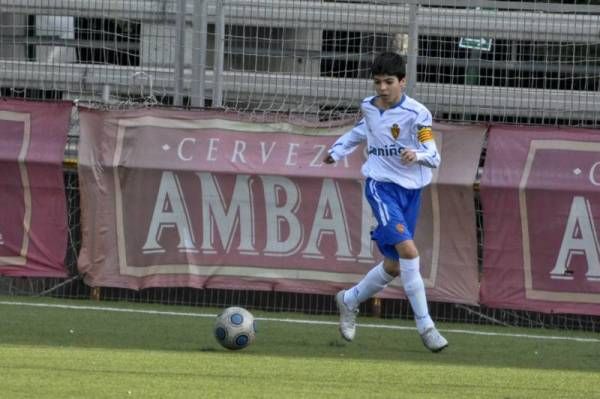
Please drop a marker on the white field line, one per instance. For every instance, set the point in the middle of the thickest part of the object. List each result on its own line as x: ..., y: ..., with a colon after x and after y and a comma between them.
x: 298, y: 321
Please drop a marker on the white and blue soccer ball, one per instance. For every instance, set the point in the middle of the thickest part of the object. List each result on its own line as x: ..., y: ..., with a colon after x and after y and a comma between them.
x: 235, y: 328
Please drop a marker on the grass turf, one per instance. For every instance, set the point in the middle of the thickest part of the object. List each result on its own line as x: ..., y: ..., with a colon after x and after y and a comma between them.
x: 67, y: 353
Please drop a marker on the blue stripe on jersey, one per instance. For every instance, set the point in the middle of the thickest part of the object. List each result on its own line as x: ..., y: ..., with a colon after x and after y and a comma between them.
x: 410, y: 110
x: 399, y: 103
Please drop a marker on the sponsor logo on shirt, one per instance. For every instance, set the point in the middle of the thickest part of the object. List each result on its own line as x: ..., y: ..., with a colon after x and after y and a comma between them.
x: 386, y: 151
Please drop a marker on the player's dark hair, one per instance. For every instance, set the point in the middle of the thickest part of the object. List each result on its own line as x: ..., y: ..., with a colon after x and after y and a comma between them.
x: 389, y: 63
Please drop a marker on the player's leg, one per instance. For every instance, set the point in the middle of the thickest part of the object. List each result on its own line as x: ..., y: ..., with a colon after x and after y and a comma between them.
x: 349, y: 300
x: 380, y: 275
x: 410, y: 274
x: 374, y: 281
x: 413, y: 284
x: 414, y: 288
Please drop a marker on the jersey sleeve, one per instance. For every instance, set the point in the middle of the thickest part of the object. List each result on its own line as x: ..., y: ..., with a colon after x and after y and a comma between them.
x: 348, y: 142
x: 427, y: 152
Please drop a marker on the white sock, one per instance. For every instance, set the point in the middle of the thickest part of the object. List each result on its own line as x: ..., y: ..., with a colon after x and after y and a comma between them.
x: 414, y: 288
x: 373, y: 282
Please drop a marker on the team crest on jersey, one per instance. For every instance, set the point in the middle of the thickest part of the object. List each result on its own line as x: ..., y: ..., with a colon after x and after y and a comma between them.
x: 395, y: 131
x: 400, y: 228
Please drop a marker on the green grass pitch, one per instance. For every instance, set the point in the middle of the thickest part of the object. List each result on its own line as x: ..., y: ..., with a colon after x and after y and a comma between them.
x: 62, y: 352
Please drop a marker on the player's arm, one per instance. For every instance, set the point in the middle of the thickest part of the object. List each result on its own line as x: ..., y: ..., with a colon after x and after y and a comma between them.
x: 427, y: 153
x: 347, y: 143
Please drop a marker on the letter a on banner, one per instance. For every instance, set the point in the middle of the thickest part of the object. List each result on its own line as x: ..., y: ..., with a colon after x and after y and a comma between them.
x: 579, y: 239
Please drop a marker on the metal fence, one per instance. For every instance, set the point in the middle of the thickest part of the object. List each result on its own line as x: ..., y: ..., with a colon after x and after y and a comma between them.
x: 504, y: 61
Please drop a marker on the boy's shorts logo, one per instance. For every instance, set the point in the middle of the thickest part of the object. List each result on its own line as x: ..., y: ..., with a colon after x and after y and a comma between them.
x: 395, y: 131
x: 400, y: 228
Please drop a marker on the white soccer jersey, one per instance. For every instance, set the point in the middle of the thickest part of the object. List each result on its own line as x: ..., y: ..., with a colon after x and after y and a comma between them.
x: 405, y: 125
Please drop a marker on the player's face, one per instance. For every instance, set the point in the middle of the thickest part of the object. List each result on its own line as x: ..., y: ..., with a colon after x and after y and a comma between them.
x: 389, y: 89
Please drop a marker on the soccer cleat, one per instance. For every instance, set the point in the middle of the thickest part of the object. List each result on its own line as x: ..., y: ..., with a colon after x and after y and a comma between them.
x: 347, y: 317
x: 433, y: 340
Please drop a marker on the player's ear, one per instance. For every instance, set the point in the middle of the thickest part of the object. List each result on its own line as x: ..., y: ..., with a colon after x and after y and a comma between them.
x: 403, y: 82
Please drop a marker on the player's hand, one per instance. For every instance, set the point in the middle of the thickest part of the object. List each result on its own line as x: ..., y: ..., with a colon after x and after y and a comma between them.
x: 408, y: 156
x: 328, y: 160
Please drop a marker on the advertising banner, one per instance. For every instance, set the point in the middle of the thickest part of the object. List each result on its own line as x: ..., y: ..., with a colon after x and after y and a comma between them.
x: 33, y: 216
x: 541, y: 200
x: 218, y: 200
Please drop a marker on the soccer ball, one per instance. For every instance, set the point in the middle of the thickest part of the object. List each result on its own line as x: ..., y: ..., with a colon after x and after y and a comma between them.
x: 235, y: 328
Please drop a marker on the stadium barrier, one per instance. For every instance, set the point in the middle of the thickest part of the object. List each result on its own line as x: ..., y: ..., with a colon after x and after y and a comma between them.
x: 215, y: 200
x: 196, y: 204
x: 33, y: 231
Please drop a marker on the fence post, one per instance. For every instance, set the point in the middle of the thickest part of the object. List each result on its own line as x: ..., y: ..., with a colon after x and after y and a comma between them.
x: 95, y: 293
x: 376, y: 307
x: 200, y: 32
x: 217, y: 96
x: 413, y: 49
x: 179, y: 62
x: 106, y: 94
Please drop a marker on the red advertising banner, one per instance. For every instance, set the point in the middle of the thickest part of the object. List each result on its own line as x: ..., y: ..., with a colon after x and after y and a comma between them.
x: 33, y: 217
x: 541, y: 199
x: 217, y: 200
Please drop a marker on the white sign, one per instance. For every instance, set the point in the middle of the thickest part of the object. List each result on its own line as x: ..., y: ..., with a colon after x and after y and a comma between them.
x: 475, y: 43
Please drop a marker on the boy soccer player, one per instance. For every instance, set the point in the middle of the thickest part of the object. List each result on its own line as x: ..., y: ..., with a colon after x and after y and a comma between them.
x: 401, y: 153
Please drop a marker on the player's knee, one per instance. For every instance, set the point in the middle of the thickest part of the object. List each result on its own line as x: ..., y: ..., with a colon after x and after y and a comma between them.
x: 391, y: 267
x: 407, y: 249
